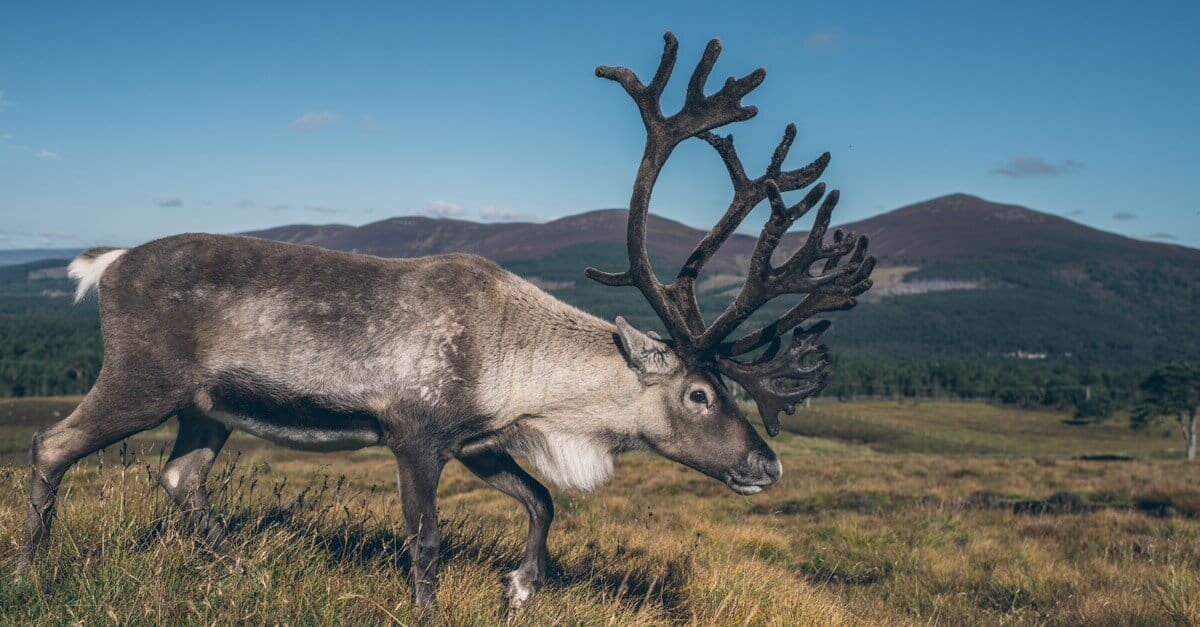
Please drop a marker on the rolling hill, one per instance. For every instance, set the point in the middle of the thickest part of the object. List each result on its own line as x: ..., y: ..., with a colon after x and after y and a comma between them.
x: 957, y: 227
x: 961, y: 227
x: 960, y: 278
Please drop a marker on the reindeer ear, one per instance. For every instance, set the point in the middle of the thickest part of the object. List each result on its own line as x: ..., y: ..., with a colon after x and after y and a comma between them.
x: 646, y: 352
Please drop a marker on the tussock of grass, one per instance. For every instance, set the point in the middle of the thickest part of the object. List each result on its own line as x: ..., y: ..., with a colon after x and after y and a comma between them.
x: 853, y: 534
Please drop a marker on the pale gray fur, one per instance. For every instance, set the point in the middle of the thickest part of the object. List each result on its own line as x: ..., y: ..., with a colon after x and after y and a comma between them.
x: 436, y: 358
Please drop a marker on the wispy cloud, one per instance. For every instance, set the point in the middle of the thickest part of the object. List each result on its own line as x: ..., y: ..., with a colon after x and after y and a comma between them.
x: 42, y: 238
x: 168, y: 201
x: 499, y: 214
x: 47, y: 154
x: 823, y: 40
x: 314, y: 120
x: 1124, y: 216
x: 4, y: 103
x: 370, y: 125
x: 1163, y: 236
x: 246, y: 204
x: 280, y: 207
x: 443, y: 209
x: 327, y: 210
x: 1074, y: 212
x: 1025, y: 167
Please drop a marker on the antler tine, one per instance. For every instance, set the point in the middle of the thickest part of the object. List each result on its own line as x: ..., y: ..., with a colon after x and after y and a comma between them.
x: 695, y: 88
x: 778, y: 381
x: 700, y: 114
x: 781, y: 151
x: 762, y: 280
x: 747, y: 195
x: 834, y: 288
x: 645, y: 95
x: 838, y: 295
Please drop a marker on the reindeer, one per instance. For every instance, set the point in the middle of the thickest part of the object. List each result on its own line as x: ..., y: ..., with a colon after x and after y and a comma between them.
x: 451, y: 357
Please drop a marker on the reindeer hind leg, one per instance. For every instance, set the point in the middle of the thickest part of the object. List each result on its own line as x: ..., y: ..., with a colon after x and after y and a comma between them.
x: 108, y: 414
x: 199, y: 442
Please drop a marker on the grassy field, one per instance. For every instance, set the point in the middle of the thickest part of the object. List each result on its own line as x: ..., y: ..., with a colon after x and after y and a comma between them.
x: 887, y: 513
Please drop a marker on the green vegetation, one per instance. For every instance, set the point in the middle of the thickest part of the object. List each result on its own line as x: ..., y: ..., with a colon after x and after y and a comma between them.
x: 1171, y: 390
x: 47, y: 345
x: 929, y: 512
x: 954, y: 344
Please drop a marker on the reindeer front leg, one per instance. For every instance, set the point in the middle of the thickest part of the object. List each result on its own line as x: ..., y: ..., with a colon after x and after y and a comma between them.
x: 500, y: 471
x: 418, y: 470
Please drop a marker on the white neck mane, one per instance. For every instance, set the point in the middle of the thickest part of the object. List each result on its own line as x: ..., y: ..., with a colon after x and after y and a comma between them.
x: 569, y: 461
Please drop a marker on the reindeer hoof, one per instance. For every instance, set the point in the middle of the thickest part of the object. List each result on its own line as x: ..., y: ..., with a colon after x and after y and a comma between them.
x: 227, y: 562
x: 521, y: 587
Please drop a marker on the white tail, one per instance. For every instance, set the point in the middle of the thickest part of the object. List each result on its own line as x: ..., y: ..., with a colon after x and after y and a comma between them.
x: 87, y: 270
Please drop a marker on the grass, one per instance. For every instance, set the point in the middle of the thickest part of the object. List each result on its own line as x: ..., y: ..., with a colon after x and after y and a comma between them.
x: 940, y: 513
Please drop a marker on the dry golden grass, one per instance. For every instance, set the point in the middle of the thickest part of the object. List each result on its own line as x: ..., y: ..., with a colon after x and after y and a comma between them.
x: 914, y: 520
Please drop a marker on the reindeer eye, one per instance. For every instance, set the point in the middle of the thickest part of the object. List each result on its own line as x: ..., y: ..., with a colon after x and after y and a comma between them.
x: 698, y: 396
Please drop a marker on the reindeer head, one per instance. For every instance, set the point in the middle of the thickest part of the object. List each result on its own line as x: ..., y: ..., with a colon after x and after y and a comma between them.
x: 703, y: 427
x: 690, y: 417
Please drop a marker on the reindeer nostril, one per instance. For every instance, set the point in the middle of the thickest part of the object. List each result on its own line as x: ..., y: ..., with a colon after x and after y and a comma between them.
x: 773, y: 468
x: 766, y: 466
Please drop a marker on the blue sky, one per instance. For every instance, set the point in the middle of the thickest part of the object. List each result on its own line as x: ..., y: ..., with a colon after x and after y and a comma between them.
x: 124, y: 122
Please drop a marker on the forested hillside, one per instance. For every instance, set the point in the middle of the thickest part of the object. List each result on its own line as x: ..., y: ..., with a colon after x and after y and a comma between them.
x: 972, y: 298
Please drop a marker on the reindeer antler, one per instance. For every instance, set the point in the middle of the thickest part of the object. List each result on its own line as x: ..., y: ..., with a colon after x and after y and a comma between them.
x: 777, y: 381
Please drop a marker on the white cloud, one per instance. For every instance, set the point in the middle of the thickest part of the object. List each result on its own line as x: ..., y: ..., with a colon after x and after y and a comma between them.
x: 314, y: 120
x: 47, y: 154
x: 823, y: 40
x: 3, y: 102
x: 370, y: 125
x: 319, y: 209
x: 443, y: 209
x: 1026, y: 166
x: 168, y: 201
x: 492, y: 213
x: 5, y: 137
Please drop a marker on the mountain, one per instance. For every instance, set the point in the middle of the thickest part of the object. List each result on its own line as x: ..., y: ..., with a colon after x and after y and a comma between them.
x: 16, y: 256
x: 960, y: 278
x: 412, y: 236
x: 961, y: 227
x: 957, y: 227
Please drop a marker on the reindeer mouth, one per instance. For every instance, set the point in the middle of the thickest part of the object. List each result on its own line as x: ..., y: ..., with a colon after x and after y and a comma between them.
x: 746, y: 488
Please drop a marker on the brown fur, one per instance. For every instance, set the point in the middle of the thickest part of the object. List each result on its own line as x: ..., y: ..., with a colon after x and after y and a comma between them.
x: 436, y: 358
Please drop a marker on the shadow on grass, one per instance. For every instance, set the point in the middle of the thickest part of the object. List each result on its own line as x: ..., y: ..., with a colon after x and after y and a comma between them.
x: 1159, y: 504
x: 628, y: 576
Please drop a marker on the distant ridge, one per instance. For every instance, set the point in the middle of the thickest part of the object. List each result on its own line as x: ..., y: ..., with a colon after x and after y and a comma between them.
x: 955, y: 227
x: 961, y: 226
x: 27, y: 255
x: 960, y: 278
x: 947, y: 228
x: 412, y: 236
